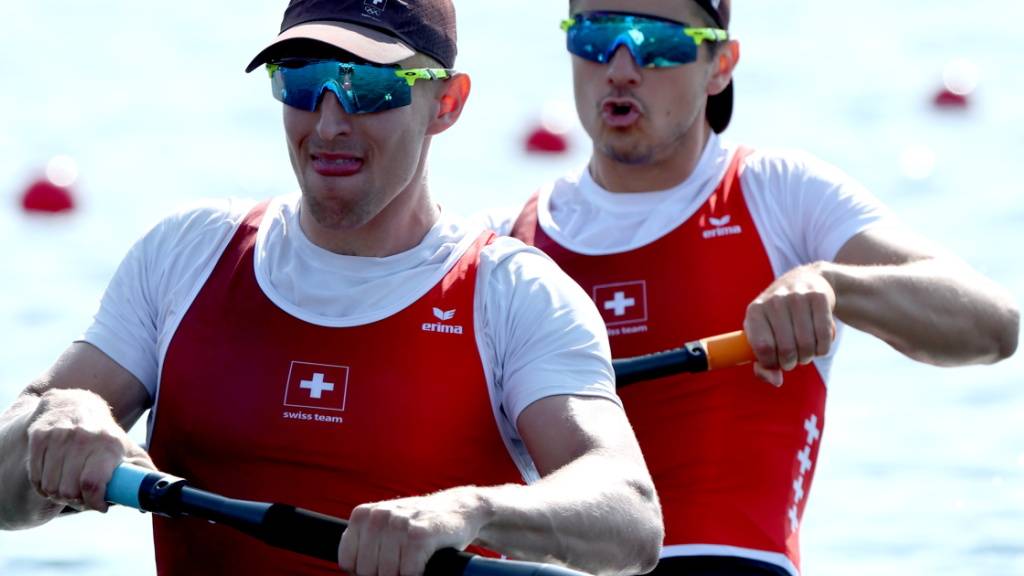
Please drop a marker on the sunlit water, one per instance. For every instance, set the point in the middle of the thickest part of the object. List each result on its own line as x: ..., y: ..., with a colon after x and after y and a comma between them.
x: 921, y: 470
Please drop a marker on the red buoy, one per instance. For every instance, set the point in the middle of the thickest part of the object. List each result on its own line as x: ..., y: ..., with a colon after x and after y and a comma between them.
x: 52, y: 194
x: 946, y: 98
x: 544, y: 141
x: 47, y: 197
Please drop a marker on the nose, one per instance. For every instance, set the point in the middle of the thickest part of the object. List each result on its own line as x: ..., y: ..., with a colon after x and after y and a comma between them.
x: 623, y: 69
x: 333, y: 120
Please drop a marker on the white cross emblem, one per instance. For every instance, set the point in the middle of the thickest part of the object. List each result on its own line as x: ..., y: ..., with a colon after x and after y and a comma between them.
x: 798, y: 487
x: 804, y: 456
x: 620, y: 303
x: 793, y: 520
x: 813, y: 432
x: 317, y: 386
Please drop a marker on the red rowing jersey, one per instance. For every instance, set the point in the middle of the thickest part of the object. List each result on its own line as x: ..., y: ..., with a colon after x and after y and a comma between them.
x: 260, y: 405
x: 731, y: 456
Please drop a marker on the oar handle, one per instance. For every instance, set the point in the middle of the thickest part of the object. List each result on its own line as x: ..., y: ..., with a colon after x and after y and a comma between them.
x: 712, y: 353
x: 728, y: 350
x: 295, y: 529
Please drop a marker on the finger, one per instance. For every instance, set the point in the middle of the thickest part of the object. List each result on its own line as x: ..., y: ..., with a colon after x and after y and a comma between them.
x: 773, y: 377
x: 824, y: 325
x: 348, y: 549
x: 371, y: 540
x: 779, y: 317
x: 803, y: 329
x: 97, y: 471
x: 70, y: 487
x: 391, y: 545
x: 420, y: 545
x: 53, y: 466
x: 759, y: 334
x: 36, y: 461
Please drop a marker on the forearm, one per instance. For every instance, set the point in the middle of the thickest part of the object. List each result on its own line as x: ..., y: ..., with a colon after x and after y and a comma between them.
x: 587, y: 515
x: 932, y: 310
x: 20, y: 505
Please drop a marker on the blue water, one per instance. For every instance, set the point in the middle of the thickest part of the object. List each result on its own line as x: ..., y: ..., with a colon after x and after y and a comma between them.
x: 921, y: 470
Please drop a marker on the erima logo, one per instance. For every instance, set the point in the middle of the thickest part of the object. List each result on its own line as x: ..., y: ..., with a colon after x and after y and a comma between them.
x: 721, y: 227
x: 374, y: 8
x: 442, y: 316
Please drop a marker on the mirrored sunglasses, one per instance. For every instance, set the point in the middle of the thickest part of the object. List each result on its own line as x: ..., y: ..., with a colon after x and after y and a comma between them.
x: 653, y: 42
x: 360, y: 88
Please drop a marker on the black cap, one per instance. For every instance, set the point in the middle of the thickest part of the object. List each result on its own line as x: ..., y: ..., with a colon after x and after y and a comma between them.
x: 719, y: 109
x: 381, y: 31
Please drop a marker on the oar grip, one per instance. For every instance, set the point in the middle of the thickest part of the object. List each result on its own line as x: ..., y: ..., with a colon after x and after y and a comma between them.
x: 303, y: 531
x: 124, y: 485
x: 728, y: 350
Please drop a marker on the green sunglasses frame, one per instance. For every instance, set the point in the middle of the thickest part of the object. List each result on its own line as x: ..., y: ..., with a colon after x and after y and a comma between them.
x: 410, y: 75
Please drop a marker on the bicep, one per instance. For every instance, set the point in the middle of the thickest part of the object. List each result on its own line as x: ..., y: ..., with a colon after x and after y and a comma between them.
x: 560, y: 429
x: 83, y: 366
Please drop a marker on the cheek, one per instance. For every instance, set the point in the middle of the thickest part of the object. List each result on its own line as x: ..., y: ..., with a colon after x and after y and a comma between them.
x: 297, y: 124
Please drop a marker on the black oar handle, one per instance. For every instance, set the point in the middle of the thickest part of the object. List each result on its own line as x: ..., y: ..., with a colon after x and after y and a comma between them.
x: 651, y: 366
x: 722, y: 351
x: 295, y: 529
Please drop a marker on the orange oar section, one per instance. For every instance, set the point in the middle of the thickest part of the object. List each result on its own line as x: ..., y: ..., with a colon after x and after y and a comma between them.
x: 726, y: 350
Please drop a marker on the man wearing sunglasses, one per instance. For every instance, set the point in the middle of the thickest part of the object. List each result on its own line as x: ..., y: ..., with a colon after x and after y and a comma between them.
x: 351, y: 349
x: 677, y: 235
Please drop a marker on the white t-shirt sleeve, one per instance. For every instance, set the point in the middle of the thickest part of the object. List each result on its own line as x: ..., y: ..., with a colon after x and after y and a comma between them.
x: 500, y: 220
x: 542, y: 334
x: 156, y: 282
x: 806, y: 209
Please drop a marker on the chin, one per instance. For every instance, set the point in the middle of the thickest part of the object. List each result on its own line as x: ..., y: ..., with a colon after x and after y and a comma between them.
x: 630, y: 154
x: 337, y: 212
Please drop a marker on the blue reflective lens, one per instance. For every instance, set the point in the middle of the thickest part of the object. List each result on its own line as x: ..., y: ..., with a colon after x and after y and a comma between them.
x: 654, y: 43
x: 360, y: 88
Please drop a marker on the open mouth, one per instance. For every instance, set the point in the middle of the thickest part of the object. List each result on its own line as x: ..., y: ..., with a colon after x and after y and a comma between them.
x: 328, y: 164
x: 620, y: 112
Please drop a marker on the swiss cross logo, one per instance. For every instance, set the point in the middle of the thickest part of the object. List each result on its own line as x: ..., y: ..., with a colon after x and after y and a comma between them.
x: 622, y: 303
x: 317, y: 386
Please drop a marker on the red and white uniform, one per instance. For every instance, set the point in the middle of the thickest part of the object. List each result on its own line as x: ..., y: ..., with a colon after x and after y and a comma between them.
x: 732, y: 457
x: 286, y: 375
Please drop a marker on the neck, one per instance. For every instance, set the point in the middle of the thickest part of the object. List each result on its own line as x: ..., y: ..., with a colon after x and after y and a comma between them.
x: 660, y: 173
x: 400, y: 226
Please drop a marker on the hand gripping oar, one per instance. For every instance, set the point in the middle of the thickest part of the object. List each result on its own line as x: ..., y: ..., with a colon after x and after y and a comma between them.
x: 722, y: 351
x: 284, y: 526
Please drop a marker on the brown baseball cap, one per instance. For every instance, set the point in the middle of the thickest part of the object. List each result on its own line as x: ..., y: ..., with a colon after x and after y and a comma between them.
x: 381, y: 31
x: 719, y: 110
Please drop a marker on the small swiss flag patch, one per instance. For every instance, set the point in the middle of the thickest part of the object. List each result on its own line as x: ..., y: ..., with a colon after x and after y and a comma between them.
x: 622, y: 303
x: 317, y: 386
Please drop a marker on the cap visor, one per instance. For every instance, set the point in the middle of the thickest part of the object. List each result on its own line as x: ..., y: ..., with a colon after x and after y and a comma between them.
x: 364, y: 42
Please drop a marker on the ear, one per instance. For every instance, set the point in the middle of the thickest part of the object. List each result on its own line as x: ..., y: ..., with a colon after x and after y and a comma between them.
x: 726, y: 59
x: 451, y: 101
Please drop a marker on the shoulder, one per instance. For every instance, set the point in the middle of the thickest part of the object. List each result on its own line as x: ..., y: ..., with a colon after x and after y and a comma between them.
x: 790, y: 166
x: 508, y: 260
x: 203, y: 218
x: 190, y: 237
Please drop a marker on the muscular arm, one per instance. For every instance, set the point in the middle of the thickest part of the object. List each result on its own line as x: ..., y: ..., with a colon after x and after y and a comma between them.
x: 595, y: 509
x: 934, y: 309
x: 63, y: 436
x: 931, y: 307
